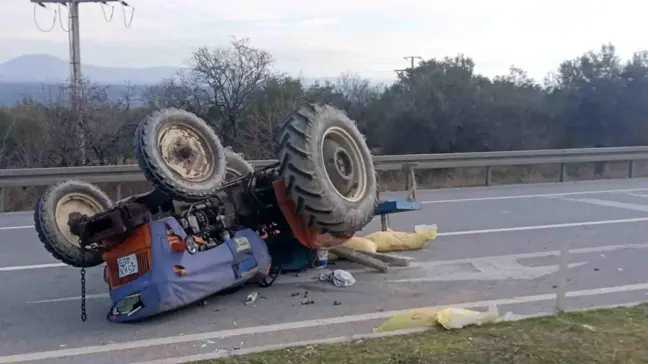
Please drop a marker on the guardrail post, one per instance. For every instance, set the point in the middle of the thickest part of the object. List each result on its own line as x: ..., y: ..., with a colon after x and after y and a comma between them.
x: 118, y: 193
x: 562, y: 277
x: 631, y: 168
x: 489, y: 176
x: 563, y: 172
x: 2, y: 195
x: 410, y: 181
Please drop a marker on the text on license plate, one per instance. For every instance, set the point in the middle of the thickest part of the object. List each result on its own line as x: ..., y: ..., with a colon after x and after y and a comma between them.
x: 127, y: 265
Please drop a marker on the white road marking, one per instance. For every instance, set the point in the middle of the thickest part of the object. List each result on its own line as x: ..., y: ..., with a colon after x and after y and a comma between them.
x: 491, y: 271
x: 637, y: 195
x: 77, y: 298
x: 425, y: 265
x: 171, y: 340
x: 338, y: 340
x: 510, y: 197
x: 542, y: 254
x: 540, y: 227
x: 559, y: 194
x: 451, y: 233
x: 259, y: 349
x: 16, y: 227
x: 608, y: 203
x: 34, y: 266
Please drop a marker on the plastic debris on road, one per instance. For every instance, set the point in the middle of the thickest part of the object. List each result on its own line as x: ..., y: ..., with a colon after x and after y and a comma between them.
x: 361, y: 244
x: 390, y: 240
x: 339, y: 277
x: 457, y: 318
x: 251, y: 298
x: 449, y: 318
x: 424, y: 317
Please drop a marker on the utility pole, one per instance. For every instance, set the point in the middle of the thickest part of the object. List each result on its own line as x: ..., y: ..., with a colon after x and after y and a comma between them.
x: 412, y: 58
x: 411, y: 69
x: 75, y: 59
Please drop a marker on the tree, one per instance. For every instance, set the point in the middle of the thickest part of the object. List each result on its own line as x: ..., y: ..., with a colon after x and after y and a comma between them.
x: 442, y: 105
x: 230, y: 75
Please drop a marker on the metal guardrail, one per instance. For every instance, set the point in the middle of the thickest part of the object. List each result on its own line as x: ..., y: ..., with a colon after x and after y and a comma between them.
x: 408, y: 162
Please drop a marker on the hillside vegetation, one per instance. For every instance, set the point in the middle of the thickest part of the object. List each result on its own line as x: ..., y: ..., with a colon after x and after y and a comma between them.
x: 440, y: 106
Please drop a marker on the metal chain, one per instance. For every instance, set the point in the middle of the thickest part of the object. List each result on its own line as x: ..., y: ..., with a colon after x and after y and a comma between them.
x: 83, y: 284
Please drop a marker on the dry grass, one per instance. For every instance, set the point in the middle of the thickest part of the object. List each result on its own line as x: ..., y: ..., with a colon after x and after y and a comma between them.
x: 605, y: 336
x: 22, y: 198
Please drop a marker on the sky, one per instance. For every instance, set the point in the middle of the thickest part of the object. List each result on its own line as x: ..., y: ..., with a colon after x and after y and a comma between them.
x: 323, y: 38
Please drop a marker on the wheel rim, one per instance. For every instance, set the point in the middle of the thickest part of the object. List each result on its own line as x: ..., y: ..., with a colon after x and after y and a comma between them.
x: 186, y: 153
x: 74, y: 203
x: 345, y: 168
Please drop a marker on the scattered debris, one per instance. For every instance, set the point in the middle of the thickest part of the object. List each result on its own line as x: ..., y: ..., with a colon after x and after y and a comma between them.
x: 336, y: 303
x: 588, y: 327
x: 449, y: 318
x: 322, y: 258
x: 339, y: 277
x: 457, y: 318
x: 295, y: 294
x: 307, y: 302
x: 251, y: 298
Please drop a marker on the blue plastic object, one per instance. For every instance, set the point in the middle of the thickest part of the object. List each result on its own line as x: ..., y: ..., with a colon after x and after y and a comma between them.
x: 233, y: 263
x: 392, y: 207
x: 396, y: 206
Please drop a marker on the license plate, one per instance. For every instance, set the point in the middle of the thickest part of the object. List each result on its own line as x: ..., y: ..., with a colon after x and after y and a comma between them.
x: 127, y: 265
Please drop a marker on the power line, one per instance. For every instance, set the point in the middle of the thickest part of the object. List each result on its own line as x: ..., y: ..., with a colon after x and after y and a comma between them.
x: 73, y: 31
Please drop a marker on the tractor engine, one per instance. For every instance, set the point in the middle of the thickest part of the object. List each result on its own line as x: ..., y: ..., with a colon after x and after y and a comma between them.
x: 211, y: 221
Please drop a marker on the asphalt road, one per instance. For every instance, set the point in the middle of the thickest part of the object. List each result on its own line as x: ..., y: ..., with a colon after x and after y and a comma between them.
x: 497, y: 246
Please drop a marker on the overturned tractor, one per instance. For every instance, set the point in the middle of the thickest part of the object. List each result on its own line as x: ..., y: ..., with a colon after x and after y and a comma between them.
x: 212, y: 222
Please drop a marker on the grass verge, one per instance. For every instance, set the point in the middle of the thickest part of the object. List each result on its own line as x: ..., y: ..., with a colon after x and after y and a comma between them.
x: 617, y: 335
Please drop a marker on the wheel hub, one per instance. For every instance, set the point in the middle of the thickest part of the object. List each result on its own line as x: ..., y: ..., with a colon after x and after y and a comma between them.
x: 70, y: 207
x: 345, y: 167
x: 186, y: 153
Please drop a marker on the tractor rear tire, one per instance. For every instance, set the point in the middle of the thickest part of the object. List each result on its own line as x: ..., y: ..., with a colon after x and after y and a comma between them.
x: 51, y: 217
x: 328, y: 170
x: 180, y: 154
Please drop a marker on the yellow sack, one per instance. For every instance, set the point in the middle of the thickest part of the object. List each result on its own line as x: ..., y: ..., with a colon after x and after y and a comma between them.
x: 424, y: 317
x: 457, y: 318
x: 390, y: 240
x: 361, y: 244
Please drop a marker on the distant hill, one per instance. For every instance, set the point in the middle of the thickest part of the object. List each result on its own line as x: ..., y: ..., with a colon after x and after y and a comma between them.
x: 14, y: 92
x: 37, y: 75
x: 39, y: 68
